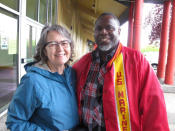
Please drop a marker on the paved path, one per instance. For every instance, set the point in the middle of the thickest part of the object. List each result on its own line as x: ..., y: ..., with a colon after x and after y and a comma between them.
x: 170, y: 106
x: 169, y: 94
x: 2, y: 121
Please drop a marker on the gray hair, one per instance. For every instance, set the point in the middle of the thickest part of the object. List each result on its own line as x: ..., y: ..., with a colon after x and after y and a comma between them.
x: 40, y: 49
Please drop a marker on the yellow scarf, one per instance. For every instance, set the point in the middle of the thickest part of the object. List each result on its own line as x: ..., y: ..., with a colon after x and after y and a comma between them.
x: 121, y: 96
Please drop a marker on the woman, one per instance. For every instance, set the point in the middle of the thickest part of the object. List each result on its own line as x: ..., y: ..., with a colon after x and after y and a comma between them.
x: 45, y: 98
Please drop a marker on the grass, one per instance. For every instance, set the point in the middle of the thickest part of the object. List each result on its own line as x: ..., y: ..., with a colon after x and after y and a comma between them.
x: 150, y: 48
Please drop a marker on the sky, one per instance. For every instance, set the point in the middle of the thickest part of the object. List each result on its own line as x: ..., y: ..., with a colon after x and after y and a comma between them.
x: 144, y: 32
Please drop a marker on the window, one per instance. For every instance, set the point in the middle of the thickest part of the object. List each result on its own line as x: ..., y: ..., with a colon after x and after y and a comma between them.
x: 11, y: 3
x: 8, y: 56
x: 54, y: 11
x: 32, y: 9
x: 31, y: 42
x: 42, y: 11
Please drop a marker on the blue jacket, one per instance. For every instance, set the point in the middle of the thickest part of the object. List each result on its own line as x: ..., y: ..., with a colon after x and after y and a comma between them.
x: 44, y: 101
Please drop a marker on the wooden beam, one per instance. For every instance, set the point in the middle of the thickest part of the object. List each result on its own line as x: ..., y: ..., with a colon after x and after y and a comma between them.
x: 90, y: 30
x: 87, y: 21
x: 87, y: 24
x: 86, y: 11
x: 87, y: 32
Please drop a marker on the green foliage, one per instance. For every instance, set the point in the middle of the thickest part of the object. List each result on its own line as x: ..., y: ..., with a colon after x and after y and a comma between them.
x: 150, y: 48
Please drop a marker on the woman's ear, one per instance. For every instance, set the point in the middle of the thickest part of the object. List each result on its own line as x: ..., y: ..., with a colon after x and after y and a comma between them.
x: 45, y: 52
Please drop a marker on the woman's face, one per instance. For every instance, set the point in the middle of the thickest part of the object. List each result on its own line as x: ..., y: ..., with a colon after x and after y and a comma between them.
x: 58, y: 49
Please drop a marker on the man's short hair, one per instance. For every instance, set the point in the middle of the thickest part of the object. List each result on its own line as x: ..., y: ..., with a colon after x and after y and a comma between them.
x: 110, y: 14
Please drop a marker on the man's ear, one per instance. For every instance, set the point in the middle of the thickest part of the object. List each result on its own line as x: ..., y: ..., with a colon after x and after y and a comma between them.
x: 119, y: 30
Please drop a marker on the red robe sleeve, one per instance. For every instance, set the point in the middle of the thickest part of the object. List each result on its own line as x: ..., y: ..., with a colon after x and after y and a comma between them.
x: 152, y: 105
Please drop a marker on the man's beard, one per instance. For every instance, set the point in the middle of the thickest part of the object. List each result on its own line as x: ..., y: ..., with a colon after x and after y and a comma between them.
x: 105, y: 47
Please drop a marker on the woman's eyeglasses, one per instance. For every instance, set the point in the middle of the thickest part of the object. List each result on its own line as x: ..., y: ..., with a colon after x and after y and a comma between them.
x: 54, y: 44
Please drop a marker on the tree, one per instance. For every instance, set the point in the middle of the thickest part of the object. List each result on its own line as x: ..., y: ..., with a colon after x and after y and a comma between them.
x: 155, y: 20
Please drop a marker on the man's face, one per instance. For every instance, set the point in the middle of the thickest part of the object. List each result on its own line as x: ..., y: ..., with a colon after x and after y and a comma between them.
x: 107, y: 33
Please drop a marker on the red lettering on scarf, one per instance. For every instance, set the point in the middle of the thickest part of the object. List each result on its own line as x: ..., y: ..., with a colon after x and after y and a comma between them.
x: 122, y: 110
x: 122, y: 102
x: 124, y: 123
x: 119, y: 78
x: 120, y: 94
x: 125, y: 129
x: 124, y: 116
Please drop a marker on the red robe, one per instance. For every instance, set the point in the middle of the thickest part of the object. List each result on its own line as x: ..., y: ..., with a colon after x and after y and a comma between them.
x: 147, y: 108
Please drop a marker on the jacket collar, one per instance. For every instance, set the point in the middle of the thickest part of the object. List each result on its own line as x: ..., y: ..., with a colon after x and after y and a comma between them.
x: 30, y: 67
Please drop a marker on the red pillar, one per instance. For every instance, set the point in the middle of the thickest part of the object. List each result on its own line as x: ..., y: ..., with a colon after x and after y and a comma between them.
x: 169, y: 74
x: 130, y: 26
x: 137, y: 24
x: 164, y: 40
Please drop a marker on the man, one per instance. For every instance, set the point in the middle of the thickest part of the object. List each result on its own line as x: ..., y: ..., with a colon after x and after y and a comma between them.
x: 116, y: 87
